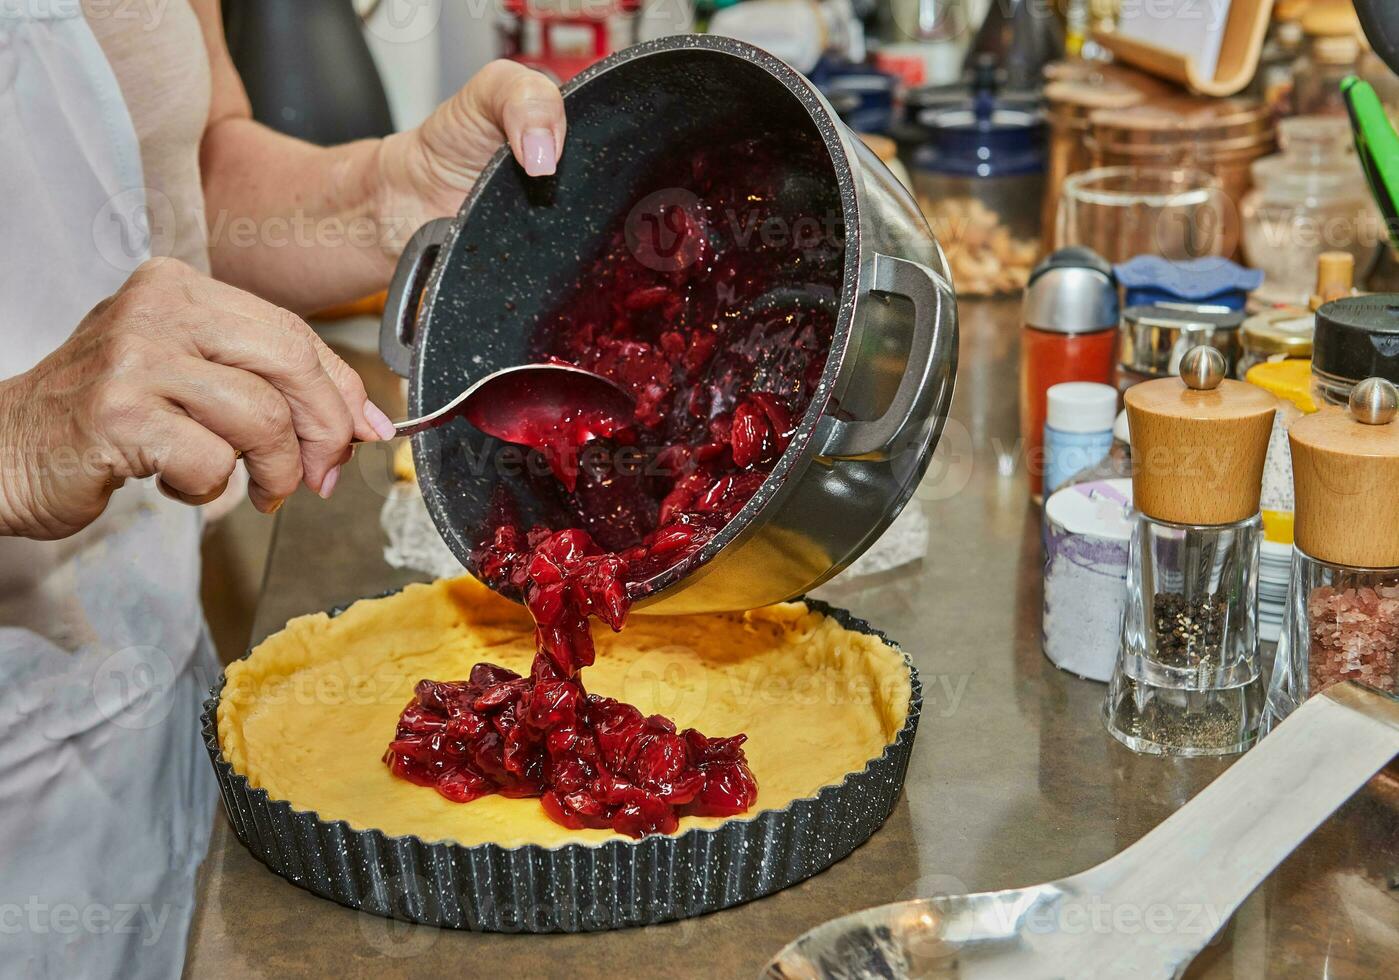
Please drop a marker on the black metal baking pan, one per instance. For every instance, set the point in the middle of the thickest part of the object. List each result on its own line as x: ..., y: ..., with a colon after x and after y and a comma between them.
x: 574, y: 887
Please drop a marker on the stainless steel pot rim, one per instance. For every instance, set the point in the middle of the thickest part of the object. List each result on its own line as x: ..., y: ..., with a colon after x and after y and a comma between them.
x: 573, y: 887
x: 826, y: 123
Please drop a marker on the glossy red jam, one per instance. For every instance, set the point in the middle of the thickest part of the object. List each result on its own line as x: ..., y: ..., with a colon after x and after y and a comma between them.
x: 719, y: 329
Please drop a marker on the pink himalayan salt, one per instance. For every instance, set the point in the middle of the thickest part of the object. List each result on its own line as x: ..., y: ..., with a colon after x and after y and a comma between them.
x: 1354, y: 636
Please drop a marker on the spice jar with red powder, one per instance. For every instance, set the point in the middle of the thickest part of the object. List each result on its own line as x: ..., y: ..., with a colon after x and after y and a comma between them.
x: 1342, y: 618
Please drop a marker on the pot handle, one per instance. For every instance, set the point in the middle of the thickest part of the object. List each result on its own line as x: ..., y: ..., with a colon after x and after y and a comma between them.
x: 931, y: 357
x: 399, y: 322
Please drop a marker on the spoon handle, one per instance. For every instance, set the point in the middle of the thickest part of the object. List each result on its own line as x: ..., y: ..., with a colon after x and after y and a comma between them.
x: 1214, y: 851
x: 411, y: 427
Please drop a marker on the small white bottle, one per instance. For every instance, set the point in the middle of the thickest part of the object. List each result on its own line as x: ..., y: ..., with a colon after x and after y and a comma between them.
x: 1077, y: 429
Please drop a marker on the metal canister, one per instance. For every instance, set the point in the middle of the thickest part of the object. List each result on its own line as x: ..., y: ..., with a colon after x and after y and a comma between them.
x: 1220, y: 136
x: 1223, y: 136
x: 1154, y: 338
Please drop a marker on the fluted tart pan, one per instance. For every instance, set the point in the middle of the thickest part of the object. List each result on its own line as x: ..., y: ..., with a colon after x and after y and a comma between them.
x: 573, y: 887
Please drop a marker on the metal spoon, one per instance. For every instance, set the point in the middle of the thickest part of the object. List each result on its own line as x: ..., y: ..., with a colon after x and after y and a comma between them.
x: 1146, y: 912
x: 517, y: 404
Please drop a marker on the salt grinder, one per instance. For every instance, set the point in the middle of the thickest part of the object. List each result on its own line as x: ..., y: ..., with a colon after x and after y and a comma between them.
x: 1188, y: 679
x: 1342, y: 616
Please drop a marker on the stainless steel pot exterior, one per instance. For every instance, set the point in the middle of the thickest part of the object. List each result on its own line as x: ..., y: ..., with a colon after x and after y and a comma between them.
x: 487, y: 275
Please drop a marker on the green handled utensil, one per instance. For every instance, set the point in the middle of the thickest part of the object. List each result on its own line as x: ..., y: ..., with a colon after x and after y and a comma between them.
x: 1378, y: 148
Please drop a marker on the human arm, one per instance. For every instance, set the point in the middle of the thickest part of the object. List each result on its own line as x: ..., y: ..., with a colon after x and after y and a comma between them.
x: 308, y: 227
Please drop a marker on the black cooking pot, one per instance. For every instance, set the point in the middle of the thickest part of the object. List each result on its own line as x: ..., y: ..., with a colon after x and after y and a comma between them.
x: 469, y: 292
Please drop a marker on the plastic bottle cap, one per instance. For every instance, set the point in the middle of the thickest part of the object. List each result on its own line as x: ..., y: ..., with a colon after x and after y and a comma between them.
x: 1120, y: 428
x: 1081, y: 406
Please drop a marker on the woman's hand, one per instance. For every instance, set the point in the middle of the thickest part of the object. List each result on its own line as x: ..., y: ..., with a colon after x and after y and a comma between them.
x: 176, y: 376
x: 426, y: 172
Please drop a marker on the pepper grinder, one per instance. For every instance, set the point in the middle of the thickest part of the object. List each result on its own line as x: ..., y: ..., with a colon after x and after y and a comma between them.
x: 1188, y: 679
x: 1342, y: 616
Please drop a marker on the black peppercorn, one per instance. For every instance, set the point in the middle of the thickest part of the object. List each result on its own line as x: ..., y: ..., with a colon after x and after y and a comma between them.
x: 1189, y: 631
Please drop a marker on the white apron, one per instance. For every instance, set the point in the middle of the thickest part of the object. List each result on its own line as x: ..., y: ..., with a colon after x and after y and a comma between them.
x: 106, y: 798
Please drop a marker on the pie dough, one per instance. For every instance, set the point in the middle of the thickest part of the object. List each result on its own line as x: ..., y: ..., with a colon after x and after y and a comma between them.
x: 308, y: 714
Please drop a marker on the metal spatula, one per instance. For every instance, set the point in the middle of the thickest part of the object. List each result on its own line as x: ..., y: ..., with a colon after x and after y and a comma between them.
x: 1198, y: 866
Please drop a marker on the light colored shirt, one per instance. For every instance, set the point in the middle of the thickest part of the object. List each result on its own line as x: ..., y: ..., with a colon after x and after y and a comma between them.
x: 106, y: 798
x: 158, y: 54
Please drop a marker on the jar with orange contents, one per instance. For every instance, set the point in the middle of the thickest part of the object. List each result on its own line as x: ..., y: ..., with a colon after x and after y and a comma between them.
x: 1069, y: 333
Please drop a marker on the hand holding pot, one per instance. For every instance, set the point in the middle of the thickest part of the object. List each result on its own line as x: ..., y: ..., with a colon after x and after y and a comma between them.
x: 427, y: 171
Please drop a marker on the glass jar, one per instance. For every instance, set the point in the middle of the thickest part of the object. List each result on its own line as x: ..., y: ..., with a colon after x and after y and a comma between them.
x: 1341, y: 623
x: 1273, y: 80
x: 1122, y: 212
x: 979, y: 165
x: 1342, y: 617
x: 1355, y: 337
x: 1316, y: 79
x: 1309, y: 199
x: 1188, y: 678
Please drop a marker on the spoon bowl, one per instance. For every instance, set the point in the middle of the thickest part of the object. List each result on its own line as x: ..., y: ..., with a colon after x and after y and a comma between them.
x: 527, y: 404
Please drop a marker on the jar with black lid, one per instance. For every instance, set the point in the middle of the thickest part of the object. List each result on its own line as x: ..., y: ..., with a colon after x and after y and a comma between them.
x: 1356, y: 337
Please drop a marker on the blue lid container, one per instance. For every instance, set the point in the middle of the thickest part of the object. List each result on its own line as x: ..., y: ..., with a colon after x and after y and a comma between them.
x: 862, y: 96
x: 982, y: 140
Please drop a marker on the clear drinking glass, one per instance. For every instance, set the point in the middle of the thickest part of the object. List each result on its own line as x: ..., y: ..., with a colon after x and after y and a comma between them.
x: 1188, y: 679
x: 1121, y: 212
x: 1341, y: 623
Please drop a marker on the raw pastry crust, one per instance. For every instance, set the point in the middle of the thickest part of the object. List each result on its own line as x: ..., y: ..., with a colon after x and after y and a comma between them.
x: 307, y: 716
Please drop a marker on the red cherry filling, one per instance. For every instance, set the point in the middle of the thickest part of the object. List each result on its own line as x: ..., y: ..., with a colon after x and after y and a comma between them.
x: 594, y: 761
x: 719, y: 388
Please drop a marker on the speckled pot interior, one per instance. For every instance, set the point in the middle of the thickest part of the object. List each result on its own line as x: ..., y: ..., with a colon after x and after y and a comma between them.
x: 519, y: 244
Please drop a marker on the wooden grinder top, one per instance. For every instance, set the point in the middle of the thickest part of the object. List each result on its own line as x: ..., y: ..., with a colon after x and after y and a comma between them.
x: 1346, y: 476
x: 1198, y: 448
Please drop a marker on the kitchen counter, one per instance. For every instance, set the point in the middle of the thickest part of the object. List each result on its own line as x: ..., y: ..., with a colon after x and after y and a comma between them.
x: 1013, y: 779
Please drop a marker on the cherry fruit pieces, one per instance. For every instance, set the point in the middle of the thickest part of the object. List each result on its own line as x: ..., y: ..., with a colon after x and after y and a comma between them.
x: 595, y: 762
